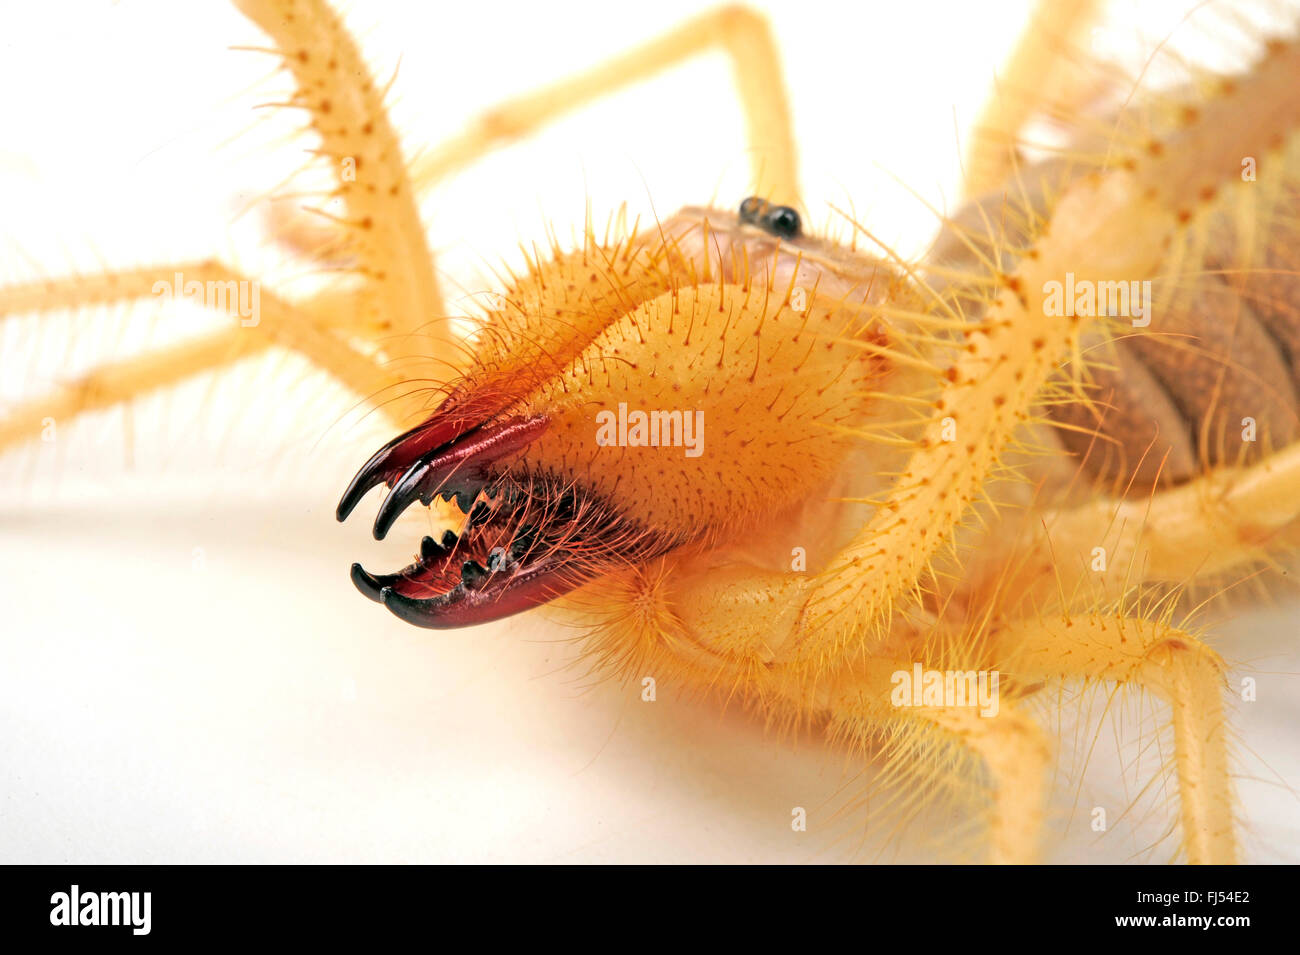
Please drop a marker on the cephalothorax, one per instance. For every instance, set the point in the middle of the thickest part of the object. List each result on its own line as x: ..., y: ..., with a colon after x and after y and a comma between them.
x: 798, y: 471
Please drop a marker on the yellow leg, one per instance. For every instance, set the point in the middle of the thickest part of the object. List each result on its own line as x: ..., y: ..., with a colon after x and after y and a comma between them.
x: 1012, y: 747
x: 117, y: 382
x: 1207, y: 526
x: 1041, y: 72
x: 742, y: 34
x: 721, y: 627
x: 1217, y: 524
x: 273, y: 322
x: 399, y: 305
x: 1109, y: 228
x: 1175, y: 665
x: 381, y: 228
x: 1016, y: 753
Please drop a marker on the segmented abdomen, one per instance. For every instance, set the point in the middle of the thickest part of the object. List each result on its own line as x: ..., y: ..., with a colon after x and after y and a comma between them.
x: 1209, y: 373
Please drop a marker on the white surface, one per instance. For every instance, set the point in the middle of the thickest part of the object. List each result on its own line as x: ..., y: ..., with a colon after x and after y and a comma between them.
x: 186, y: 673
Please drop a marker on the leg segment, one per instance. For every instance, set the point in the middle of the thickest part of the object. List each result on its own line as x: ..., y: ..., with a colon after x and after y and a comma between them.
x: 1216, y: 524
x: 1012, y: 747
x: 275, y: 322
x: 117, y: 382
x: 1040, y: 73
x: 742, y: 34
x: 381, y: 227
x: 1016, y: 753
x: 1175, y: 665
x: 716, y: 629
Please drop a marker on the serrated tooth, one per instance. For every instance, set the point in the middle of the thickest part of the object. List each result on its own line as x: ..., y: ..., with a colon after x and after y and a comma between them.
x: 473, y: 574
x: 480, y: 513
x: 392, y: 460
x: 430, y: 549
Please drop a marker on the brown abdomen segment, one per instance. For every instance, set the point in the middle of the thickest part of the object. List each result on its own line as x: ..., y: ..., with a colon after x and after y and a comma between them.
x: 1213, y: 379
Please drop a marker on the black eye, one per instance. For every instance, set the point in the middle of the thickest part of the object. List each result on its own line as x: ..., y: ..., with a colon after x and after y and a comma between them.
x: 781, y: 221
x: 752, y: 208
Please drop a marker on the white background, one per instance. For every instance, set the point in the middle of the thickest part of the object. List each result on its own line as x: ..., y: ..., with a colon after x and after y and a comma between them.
x: 186, y: 673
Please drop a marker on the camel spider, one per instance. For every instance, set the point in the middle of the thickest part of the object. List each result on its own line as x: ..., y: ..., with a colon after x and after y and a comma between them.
x: 717, y: 604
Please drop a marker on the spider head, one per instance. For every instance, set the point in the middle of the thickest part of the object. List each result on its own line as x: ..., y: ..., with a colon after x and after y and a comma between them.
x: 684, y: 388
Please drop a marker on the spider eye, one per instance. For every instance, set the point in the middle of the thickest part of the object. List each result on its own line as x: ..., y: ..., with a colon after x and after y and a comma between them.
x: 752, y: 208
x: 781, y: 221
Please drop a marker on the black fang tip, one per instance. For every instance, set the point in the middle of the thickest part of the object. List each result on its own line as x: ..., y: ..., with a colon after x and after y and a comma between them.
x: 403, y: 494
x: 419, y: 612
x: 366, y: 583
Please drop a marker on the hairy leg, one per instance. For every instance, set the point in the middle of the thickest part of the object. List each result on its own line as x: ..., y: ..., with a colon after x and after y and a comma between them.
x: 380, y: 228
x: 724, y: 629
x: 1012, y: 747
x: 1112, y: 227
x: 742, y: 34
x: 1040, y: 74
x: 397, y: 305
x: 276, y: 322
x: 400, y: 308
x: 1175, y: 665
x: 1219, y: 523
